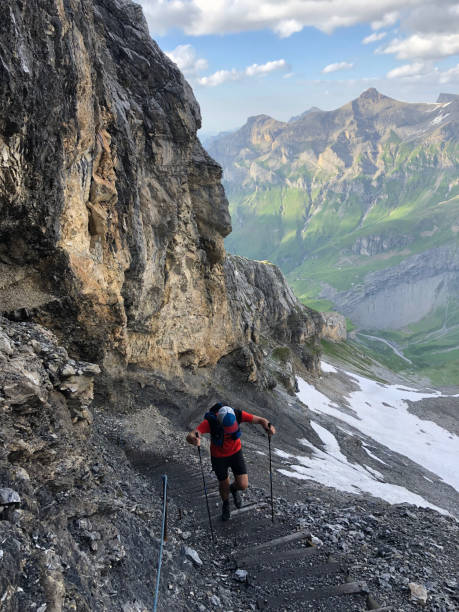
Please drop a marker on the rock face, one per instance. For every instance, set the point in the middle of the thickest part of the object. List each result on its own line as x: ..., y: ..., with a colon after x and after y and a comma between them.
x: 113, y: 213
x: 264, y: 303
x: 268, y: 315
x: 334, y: 326
x: 70, y: 510
x: 112, y: 216
x: 403, y: 294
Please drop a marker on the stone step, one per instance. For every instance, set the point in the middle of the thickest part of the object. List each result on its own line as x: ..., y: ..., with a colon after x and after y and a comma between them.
x: 349, y: 588
x: 216, y: 516
x: 287, y: 539
x: 273, y: 557
x: 282, y: 574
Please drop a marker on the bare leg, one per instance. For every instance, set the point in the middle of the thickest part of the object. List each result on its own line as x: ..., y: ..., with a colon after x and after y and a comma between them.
x: 241, y: 481
x: 224, y: 486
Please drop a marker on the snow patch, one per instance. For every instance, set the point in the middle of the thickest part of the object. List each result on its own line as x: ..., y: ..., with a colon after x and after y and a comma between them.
x: 326, y: 367
x: 375, y: 473
x: 439, y: 118
x: 373, y: 456
x: 331, y: 468
x: 381, y: 413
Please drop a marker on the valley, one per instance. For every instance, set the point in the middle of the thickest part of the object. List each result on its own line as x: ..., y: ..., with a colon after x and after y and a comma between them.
x: 360, y: 209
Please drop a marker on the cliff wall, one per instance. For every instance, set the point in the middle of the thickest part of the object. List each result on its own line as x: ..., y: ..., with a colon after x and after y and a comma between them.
x: 402, y: 294
x: 112, y: 220
x: 112, y: 215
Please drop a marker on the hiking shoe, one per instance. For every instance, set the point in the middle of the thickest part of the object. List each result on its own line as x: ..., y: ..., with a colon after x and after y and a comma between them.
x: 226, y: 510
x: 236, y: 496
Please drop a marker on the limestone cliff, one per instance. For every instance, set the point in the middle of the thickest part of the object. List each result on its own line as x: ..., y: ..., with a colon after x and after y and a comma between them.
x: 112, y: 215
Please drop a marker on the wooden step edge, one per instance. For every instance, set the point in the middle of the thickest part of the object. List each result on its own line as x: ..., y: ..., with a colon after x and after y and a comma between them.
x: 348, y: 588
x: 298, y: 553
x: 291, y: 537
x: 273, y: 575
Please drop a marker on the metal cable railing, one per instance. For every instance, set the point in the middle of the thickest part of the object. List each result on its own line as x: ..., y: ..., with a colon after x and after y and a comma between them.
x: 163, y: 538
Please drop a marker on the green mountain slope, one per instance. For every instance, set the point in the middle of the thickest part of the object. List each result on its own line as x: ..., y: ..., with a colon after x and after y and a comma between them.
x: 360, y: 209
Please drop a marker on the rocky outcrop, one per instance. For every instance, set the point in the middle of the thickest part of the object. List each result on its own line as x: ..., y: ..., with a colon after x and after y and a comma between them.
x: 267, y: 314
x: 122, y: 215
x: 113, y: 216
x: 34, y: 369
x: 77, y: 525
x: 334, y: 328
x: 403, y: 294
x: 373, y: 245
x: 44, y: 408
x: 261, y: 298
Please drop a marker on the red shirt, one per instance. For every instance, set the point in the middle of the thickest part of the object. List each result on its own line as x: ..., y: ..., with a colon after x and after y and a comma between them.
x: 229, y: 446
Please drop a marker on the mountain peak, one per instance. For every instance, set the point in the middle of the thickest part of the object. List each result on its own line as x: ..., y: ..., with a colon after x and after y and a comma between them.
x: 258, y: 119
x: 371, y: 94
x: 447, y: 97
x: 313, y: 109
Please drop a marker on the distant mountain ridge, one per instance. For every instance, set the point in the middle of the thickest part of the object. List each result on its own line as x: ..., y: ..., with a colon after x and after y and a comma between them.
x: 313, y: 109
x: 333, y: 197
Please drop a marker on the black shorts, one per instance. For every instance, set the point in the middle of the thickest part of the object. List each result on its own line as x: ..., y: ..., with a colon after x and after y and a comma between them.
x: 236, y: 462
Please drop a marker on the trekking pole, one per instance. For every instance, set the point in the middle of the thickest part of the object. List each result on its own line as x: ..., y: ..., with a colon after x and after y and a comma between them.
x: 205, y: 491
x: 163, y: 527
x: 271, y: 474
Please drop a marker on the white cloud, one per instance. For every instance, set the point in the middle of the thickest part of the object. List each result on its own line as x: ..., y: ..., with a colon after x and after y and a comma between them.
x: 427, y: 72
x: 425, y: 46
x: 387, y: 20
x: 255, y: 69
x: 219, y: 77
x: 200, y: 17
x: 222, y: 76
x: 337, y: 66
x: 428, y: 29
x: 447, y: 76
x: 407, y: 70
x: 288, y: 27
x: 430, y: 18
x: 374, y: 37
x: 186, y: 59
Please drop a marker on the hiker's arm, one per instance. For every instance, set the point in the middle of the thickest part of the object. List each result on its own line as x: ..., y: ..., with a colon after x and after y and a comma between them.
x: 257, y: 420
x: 194, y: 437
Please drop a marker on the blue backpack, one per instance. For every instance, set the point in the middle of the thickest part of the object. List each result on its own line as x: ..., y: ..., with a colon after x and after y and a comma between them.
x: 217, y: 430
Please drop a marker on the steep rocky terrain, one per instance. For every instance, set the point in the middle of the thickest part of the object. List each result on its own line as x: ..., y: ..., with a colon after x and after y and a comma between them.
x: 112, y: 219
x: 359, y: 207
x: 122, y: 318
x: 112, y: 214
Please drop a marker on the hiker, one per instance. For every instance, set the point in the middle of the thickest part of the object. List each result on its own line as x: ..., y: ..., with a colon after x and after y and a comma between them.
x: 222, y: 422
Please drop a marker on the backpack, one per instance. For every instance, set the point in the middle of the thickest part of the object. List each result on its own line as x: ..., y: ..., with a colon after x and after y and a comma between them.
x: 217, y: 431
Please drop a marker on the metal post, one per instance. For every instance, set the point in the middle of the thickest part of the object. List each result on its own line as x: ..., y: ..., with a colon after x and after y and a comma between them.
x: 271, y: 474
x: 163, y: 537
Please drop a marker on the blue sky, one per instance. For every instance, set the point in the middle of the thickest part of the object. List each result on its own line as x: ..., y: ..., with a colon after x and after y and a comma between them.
x: 246, y: 57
